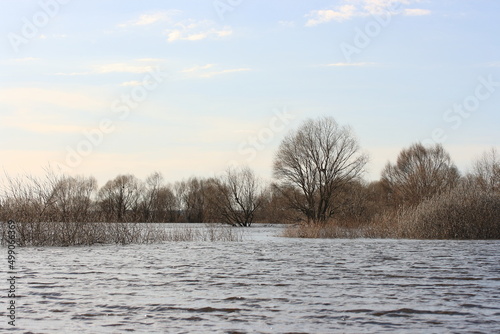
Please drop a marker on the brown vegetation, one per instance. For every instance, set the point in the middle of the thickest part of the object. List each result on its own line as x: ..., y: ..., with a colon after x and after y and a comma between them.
x: 413, y: 205
x: 318, y: 188
x: 465, y: 212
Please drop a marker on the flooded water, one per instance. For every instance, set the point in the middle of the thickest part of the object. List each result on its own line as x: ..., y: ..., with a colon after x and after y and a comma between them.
x: 264, y: 284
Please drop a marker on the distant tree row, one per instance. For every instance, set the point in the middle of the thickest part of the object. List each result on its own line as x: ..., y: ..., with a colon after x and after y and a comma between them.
x: 232, y: 198
x: 317, y: 172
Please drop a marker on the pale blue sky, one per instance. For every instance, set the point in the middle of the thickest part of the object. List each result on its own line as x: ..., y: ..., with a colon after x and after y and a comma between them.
x: 391, y: 69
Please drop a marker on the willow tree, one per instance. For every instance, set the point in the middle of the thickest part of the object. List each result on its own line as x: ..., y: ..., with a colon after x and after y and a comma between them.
x: 419, y: 173
x: 314, y: 162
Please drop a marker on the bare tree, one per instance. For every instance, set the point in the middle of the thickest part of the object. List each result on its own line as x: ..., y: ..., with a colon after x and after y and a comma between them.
x: 419, y: 173
x: 190, y: 195
x: 120, y: 196
x: 486, y: 171
x: 166, y: 206
x: 235, y: 196
x: 149, y: 203
x: 73, y: 198
x: 314, y: 162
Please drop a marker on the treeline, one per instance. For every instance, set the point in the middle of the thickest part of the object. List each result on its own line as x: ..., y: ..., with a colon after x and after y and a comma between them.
x: 62, y: 210
x: 235, y: 198
x: 317, y: 185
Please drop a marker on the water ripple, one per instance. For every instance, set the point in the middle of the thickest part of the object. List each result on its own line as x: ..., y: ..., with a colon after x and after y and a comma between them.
x: 268, y: 285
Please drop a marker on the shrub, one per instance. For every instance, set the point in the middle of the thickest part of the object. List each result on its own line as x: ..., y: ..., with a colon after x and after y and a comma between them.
x: 42, y: 234
x: 466, y: 212
x: 330, y: 230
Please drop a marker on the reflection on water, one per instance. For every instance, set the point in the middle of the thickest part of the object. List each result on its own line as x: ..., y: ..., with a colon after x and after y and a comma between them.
x: 264, y: 284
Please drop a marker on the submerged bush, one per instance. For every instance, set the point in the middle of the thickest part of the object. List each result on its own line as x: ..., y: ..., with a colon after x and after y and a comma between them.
x: 55, y: 234
x: 466, y: 212
x: 334, y: 229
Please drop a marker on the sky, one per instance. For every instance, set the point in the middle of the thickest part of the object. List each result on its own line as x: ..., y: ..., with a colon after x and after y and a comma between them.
x: 189, y: 88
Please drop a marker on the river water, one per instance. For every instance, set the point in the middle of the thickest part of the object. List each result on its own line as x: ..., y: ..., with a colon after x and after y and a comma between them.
x: 264, y: 284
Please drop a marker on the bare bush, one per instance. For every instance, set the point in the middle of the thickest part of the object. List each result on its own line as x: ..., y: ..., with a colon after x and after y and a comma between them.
x: 486, y: 171
x: 85, y: 234
x: 463, y: 213
x: 330, y: 230
x: 30, y: 198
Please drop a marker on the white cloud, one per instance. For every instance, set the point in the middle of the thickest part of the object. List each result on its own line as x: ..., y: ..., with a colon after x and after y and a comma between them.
x: 151, y: 18
x: 197, y: 68
x: 123, y: 68
x: 206, y: 72
x: 349, y: 9
x: 349, y: 64
x: 53, y: 36
x: 132, y: 83
x: 28, y: 98
x: 137, y: 66
x: 151, y: 60
x: 19, y: 61
x: 192, y: 30
x: 25, y: 59
x: 180, y: 29
x: 374, y: 7
x: 40, y: 127
x: 343, y: 13
x: 72, y: 73
x: 231, y: 70
x: 493, y: 64
x: 416, y: 12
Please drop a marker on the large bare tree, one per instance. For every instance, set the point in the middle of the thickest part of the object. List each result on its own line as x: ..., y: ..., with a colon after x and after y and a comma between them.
x: 419, y: 173
x: 314, y: 162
